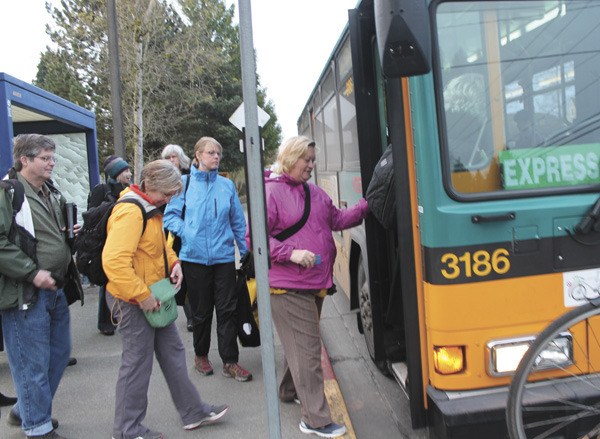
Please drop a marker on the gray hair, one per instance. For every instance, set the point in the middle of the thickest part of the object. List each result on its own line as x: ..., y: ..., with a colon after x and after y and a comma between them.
x: 30, y: 145
x: 161, y: 176
x: 184, y: 160
x: 290, y: 152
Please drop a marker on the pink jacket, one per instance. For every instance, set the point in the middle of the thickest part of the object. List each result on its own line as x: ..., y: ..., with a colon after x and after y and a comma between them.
x: 285, y: 206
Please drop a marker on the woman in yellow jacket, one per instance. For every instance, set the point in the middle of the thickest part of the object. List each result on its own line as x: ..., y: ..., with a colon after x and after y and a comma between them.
x: 133, y: 259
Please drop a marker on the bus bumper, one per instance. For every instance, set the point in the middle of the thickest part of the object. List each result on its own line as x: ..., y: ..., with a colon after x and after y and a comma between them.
x: 481, y: 414
x: 475, y: 414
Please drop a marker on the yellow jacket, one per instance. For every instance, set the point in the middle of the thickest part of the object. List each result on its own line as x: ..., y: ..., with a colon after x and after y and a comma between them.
x: 133, y: 261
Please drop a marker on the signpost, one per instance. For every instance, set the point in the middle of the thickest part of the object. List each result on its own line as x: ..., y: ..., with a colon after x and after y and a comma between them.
x: 255, y: 191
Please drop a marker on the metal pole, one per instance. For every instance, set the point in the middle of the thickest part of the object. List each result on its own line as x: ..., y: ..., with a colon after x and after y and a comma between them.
x: 115, y: 79
x: 252, y: 151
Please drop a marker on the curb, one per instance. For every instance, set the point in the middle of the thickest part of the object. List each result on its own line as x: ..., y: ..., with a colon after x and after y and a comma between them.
x: 337, y: 405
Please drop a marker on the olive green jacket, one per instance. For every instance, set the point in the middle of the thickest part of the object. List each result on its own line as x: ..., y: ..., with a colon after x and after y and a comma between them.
x: 15, y: 266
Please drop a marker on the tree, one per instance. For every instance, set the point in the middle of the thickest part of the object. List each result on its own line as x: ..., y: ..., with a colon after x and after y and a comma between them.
x: 54, y: 73
x: 180, y: 72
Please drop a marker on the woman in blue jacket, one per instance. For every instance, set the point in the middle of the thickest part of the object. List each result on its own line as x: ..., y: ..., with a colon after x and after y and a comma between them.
x: 209, y: 219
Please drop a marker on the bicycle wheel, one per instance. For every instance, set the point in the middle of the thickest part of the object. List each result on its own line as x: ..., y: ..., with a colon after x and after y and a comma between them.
x: 568, y: 406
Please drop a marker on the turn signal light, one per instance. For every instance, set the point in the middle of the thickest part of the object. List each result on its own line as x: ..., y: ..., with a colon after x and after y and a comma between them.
x: 449, y: 359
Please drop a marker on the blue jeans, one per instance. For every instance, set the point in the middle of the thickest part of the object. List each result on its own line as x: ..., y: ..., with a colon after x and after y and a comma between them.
x: 38, y: 345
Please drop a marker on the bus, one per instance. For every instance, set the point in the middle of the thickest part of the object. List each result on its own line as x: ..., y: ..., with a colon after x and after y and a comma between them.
x: 491, y: 111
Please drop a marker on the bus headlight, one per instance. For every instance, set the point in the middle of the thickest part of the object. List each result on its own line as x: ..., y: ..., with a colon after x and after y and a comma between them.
x: 505, y: 355
x: 449, y: 359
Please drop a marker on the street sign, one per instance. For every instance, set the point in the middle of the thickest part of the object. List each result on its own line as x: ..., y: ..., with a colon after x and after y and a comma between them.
x: 238, y: 118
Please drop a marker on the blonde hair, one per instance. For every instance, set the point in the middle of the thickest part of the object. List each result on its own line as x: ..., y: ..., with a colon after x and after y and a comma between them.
x: 162, y: 176
x: 201, y: 145
x: 290, y: 152
x: 184, y: 160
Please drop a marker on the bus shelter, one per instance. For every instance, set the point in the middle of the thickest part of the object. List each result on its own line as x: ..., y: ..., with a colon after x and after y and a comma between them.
x: 29, y: 109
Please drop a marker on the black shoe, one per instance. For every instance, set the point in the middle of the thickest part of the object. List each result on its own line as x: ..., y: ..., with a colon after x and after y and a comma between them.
x: 190, y: 326
x: 15, y: 420
x: 6, y: 401
x: 50, y: 435
x: 72, y: 361
x: 107, y: 332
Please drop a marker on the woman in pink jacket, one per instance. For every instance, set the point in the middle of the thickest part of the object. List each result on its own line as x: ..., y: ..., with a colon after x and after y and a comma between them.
x: 300, y: 275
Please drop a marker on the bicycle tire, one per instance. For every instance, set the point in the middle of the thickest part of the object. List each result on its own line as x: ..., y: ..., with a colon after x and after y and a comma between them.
x: 548, y: 423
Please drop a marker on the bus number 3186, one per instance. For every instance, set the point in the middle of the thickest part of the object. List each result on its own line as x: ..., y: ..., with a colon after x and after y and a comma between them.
x: 478, y: 263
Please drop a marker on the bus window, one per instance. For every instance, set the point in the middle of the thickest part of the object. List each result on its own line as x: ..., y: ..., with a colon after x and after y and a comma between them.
x: 304, y: 124
x: 519, y: 102
x: 332, y: 135
x: 350, y: 158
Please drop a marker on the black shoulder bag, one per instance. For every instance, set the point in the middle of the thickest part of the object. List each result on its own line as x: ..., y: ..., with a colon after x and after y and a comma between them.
x: 181, y: 294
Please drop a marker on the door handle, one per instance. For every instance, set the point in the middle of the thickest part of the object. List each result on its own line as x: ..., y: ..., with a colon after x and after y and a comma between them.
x: 477, y: 219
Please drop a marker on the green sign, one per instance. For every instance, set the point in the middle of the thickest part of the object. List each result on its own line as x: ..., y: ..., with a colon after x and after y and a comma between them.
x: 550, y: 166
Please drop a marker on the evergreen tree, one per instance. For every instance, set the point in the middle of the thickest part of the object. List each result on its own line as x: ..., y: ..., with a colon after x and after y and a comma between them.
x: 183, y: 69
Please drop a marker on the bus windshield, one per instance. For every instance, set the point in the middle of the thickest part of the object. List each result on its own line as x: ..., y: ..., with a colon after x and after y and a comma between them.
x: 519, y: 100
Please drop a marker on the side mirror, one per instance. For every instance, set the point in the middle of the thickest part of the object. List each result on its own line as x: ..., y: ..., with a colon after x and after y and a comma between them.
x: 403, y: 37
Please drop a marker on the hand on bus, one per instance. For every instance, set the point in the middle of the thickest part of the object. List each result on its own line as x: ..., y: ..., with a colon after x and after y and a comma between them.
x: 306, y: 258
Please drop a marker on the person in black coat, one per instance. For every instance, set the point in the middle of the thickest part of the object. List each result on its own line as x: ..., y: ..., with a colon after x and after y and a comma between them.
x: 176, y: 155
x: 5, y: 401
x: 118, y: 176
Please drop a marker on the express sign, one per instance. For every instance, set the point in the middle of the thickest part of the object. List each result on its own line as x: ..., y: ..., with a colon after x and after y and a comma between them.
x: 550, y: 166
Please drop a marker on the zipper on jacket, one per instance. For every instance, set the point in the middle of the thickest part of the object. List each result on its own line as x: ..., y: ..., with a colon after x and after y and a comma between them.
x: 215, y: 208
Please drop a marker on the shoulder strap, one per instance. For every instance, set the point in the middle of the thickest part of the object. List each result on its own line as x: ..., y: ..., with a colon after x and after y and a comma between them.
x: 107, y: 192
x: 285, y: 234
x: 187, y: 184
x: 138, y: 204
x: 18, y: 193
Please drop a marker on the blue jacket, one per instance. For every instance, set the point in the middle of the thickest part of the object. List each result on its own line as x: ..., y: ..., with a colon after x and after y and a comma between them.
x: 214, y: 219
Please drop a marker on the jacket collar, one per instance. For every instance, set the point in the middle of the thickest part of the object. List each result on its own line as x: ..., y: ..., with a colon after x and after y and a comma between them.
x: 203, y: 175
x: 283, y: 178
x: 134, y: 191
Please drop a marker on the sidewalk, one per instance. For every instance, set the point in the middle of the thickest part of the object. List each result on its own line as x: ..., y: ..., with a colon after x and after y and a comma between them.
x: 84, y: 402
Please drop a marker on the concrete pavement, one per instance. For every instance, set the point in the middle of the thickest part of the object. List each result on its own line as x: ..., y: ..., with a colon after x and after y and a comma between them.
x: 84, y: 402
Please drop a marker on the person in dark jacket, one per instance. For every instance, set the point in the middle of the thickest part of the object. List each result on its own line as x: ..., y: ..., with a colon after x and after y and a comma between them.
x: 176, y: 155
x: 118, y: 176
x: 36, y: 329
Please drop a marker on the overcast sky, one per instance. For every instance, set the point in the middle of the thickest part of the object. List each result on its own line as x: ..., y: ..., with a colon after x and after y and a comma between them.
x: 293, y: 40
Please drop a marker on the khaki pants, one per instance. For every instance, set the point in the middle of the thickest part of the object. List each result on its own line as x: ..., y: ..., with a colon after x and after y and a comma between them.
x: 296, y: 318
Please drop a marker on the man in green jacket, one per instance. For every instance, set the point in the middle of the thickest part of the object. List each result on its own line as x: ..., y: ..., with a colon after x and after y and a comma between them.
x: 35, y: 314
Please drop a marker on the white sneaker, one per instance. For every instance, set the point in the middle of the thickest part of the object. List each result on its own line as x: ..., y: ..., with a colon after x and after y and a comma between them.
x: 330, y: 430
x: 216, y: 413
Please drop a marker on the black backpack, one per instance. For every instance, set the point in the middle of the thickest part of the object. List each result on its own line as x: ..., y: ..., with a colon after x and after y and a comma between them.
x: 92, y: 236
x: 380, y: 193
x: 26, y: 241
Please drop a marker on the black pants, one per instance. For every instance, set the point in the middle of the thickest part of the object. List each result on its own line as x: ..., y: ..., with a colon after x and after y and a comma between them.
x: 212, y: 287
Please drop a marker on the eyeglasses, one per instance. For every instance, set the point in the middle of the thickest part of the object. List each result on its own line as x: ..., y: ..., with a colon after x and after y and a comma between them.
x: 45, y: 158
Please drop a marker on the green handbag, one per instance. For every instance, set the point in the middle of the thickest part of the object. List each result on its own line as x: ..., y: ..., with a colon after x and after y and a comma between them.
x: 164, y: 291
